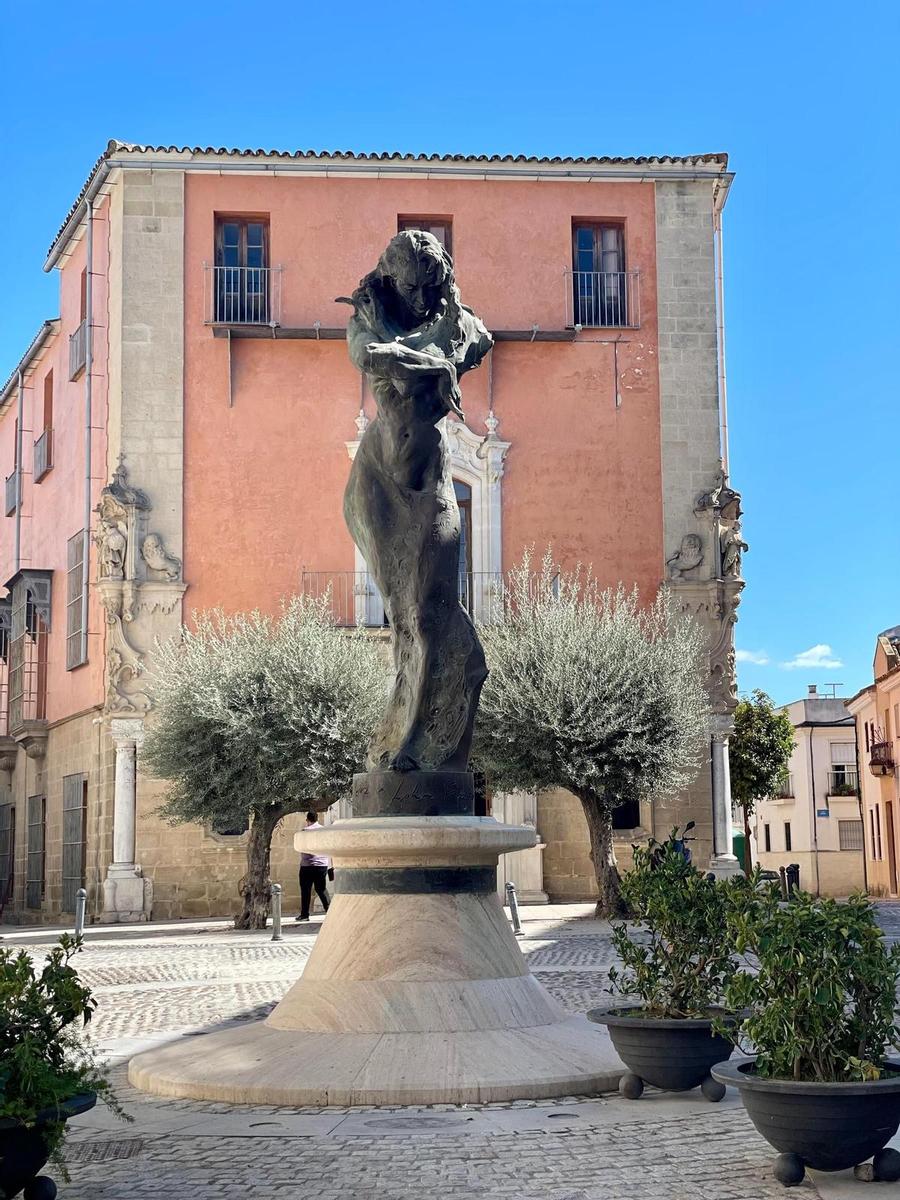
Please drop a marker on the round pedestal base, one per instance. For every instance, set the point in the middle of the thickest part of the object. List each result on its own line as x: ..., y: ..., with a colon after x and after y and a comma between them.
x: 256, y: 1064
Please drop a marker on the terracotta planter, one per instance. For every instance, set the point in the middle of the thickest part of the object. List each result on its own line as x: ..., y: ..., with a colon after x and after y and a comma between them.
x: 672, y: 1054
x: 826, y: 1126
x: 24, y: 1150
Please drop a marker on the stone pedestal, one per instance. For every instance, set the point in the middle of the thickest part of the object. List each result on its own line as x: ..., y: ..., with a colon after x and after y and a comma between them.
x: 724, y: 861
x: 127, y: 896
x: 416, y: 991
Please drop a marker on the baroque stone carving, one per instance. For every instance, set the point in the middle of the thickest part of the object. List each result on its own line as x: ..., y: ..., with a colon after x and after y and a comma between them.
x: 155, y: 555
x: 118, y: 518
x: 720, y: 498
x: 732, y: 547
x: 413, y: 338
x: 688, y: 556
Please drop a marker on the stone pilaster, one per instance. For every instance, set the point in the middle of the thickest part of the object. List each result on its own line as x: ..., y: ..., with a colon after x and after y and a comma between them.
x: 127, y: 896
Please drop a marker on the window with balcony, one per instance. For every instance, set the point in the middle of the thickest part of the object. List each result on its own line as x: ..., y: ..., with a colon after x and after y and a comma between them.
x: 76, y: 642
x: 36, y: 814
x: 843, y: 779
x: 28, y: 644
x: 43, y: 446
x: 439, y: 227
x: 13, y: 481
x: 73, y: 843
x: 78, y: 340
x: 603, y: 294
x: 243, y: 286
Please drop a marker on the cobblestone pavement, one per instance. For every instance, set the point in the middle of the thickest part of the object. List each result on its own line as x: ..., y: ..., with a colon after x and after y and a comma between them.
x: 166, y: 982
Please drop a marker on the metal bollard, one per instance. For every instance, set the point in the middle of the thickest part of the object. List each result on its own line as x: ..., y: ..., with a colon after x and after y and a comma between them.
x: 513, y: 908
x: 276, y: 913
x: 80, y: 906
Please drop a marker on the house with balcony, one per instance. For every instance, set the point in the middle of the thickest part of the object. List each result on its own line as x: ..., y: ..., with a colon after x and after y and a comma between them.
x: 814, y: 819
x: 876, y: 711
x: 179, y: 437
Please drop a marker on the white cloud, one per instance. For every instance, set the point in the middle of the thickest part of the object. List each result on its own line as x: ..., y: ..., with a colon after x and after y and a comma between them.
x: 758, y: 657
x: 819, y: 657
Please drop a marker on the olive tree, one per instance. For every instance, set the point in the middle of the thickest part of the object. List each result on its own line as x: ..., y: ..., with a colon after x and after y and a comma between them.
x: 257, y: 717
x: 591, y: 691
x: 759, y: 750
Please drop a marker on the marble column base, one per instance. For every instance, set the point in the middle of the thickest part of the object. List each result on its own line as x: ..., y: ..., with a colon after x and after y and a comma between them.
x: 416, y: 991
x: 127, y: 895
x: 724, y: 866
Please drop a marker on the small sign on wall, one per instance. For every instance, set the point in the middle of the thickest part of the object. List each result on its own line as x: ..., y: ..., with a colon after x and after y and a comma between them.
x: 822, y: 812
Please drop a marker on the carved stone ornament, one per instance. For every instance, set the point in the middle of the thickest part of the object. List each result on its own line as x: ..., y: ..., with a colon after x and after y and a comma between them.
x: 732, y: 546
x: 722, y: 669
x: 154, y: 554
x: 688, y: 556
x: 720, y: 498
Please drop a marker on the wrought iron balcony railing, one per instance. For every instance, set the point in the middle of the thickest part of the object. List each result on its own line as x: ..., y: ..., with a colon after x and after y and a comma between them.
x: 242, y: 295
x: 12, y: 493
x: 43, y: 455
x: 603, y: 299
x: 786, y: 790
x: 78, y: 350
x: 881, y: 758
x: 355, y: 599
x: 843, y: 783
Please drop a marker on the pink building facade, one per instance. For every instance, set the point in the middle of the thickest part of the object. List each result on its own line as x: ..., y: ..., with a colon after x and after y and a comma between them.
x: 180, y: 436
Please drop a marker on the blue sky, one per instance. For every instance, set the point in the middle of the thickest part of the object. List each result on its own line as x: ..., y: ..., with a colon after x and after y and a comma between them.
x: 798, y: 93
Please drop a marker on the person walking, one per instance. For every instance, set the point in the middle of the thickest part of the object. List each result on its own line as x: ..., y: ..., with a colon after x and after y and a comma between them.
x: 315, y: 869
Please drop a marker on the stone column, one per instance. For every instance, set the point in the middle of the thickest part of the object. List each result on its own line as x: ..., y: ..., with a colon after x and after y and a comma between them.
x: 723, y: 861
x: 126, y: 894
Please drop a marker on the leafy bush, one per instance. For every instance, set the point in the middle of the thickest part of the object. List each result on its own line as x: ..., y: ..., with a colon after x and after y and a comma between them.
x: 680, y: 962
x: 820, y: 988
x: 42, y: 1058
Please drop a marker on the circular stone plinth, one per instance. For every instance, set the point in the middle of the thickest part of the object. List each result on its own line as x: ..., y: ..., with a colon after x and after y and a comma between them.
x: 256, y: 1064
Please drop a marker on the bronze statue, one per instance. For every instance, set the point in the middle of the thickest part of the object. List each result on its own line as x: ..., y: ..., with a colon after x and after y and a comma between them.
x: 413, y: 339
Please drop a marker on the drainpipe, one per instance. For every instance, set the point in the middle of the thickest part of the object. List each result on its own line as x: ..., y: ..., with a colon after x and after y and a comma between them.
x: 21, y: 416
x: 88, y: 417
x: 720, y: 336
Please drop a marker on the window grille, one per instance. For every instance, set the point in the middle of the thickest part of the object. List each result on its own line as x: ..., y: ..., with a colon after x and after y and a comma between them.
x: 7, y: 852
x: 850, y: 835
x: 76, y: 639
x: 29, y: 632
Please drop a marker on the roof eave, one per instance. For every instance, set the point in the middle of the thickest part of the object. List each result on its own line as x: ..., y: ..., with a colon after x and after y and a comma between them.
x: 37, y: 343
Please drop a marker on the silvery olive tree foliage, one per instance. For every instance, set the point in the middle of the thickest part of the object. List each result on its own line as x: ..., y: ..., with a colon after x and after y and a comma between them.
x: 591, y: 691
x: 257, y: 717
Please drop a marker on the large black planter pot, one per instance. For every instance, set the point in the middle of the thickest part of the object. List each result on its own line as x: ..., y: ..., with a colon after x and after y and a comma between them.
x: 826, y: 1126
x: 24, y: 1150
x: 675, y: 1055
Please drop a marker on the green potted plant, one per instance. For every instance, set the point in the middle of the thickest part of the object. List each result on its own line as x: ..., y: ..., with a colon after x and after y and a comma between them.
x: 820, y: 994
x: 677, y: 964
x: 46, y: 1073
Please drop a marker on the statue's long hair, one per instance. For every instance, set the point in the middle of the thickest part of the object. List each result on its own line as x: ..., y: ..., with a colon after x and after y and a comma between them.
x: 376, y: 296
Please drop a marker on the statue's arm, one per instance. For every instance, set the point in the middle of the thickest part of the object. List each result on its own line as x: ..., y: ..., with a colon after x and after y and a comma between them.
x: 477, y: 344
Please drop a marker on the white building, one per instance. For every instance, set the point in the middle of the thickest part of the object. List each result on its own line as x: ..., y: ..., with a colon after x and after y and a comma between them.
x: 815, y: 821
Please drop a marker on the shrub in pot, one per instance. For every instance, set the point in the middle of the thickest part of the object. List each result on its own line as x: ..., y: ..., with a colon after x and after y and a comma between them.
x: 677, y: 965
x: 820, y: 994
x: 46, y: 1073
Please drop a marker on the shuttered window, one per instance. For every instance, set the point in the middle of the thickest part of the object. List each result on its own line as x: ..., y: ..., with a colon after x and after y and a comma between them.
x: 7, y: 852
x: 74, y: 825
x: 76, y: 642
x: 37, y: 836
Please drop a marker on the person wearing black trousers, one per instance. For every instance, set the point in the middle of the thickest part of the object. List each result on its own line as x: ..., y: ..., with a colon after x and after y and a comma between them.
x: 314, y: 870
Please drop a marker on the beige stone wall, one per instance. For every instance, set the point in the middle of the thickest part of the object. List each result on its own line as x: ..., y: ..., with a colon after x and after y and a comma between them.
x: 74, y: 747
x: 568, y: 870
x: 840, y: 872
x: 195, y: 872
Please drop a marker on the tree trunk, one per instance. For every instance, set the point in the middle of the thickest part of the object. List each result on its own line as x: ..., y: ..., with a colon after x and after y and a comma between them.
x: 599, y: 822
x: 255, y: 885
x: 748, y: 864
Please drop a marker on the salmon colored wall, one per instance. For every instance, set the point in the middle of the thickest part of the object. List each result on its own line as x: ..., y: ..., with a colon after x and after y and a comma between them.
x: 52, y: 510
x: 264, y: 478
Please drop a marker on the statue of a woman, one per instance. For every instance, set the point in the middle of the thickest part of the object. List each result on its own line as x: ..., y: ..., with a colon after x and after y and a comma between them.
x: 413, y: 338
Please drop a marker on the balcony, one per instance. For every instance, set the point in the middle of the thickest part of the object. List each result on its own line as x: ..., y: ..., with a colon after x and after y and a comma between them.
x: 786, y: 790
x: 43, y: 455
x: 355, y: 599
x: 12, y: 493
x: 242, y: 295
x: 843, y: 783
x: 881, y: 758
x: 78, y: 350
x: 603, y: 299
